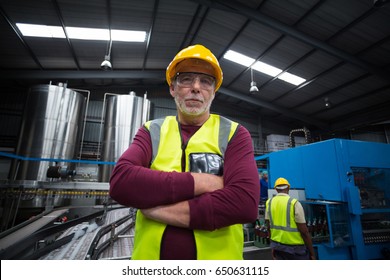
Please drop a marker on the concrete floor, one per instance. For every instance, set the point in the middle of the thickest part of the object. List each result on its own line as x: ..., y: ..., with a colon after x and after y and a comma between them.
x: 252, y: 252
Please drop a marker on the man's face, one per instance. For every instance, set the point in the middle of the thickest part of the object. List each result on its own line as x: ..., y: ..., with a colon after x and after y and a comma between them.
x: 193, y: 98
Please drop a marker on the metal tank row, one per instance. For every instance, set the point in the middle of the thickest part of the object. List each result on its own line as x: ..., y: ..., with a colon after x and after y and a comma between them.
x: 123, y: 116
x: 43, y: 171
x: 52, y: 130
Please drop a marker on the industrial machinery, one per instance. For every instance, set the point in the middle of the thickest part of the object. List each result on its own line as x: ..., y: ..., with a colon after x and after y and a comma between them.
x: 123, y: 115
x: 47, y: 190
x: 344, y: 187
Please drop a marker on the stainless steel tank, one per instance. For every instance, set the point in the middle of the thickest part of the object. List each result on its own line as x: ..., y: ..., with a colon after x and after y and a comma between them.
x: 51, y: 129
x: 124, y: 115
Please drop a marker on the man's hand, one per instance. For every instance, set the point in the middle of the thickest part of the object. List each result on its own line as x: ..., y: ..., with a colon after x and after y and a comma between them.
x: 206, y: 183
x: 177, y: 214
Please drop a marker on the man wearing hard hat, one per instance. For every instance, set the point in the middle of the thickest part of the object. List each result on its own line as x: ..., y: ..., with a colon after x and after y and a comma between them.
x: 193, y: 176
x: 285, y: 218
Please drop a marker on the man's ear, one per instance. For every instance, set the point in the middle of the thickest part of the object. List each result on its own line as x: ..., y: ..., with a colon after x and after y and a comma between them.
x: 172, y: 89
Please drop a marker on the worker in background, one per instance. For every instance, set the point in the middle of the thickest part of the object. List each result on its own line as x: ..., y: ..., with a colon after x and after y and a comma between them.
x: 264, y: 187
x: 285, y: 219
x: 193, y: 176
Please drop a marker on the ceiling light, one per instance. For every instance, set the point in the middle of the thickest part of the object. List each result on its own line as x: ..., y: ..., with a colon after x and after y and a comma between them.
x: 106, y: 64
x: 88, y: 33
x: 328, y: 104
x: 36, y: 30
x: 81, y: 33
x: 239, y: 58
x: 267, y: 69
x: 263, y: 67
x: 128, y: 36
x: 291, y: 78
x: 253, y: 88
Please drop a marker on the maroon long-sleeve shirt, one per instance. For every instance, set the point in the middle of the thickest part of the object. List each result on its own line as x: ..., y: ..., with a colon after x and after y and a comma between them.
x: 133, y: 184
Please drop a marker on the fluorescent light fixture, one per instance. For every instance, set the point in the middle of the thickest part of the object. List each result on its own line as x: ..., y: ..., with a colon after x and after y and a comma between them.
x: 239, y: 58
x: 266, y: 69
x: 291, y: 78
x: 35, y: 30
x: 81, y: 33
x: 88, y: 33
x: 128, y: 36
x: 263, y: 67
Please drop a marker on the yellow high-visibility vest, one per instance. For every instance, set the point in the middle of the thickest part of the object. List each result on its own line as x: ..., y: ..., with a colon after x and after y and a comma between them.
x: 282, y: 223
x: 212, y: 137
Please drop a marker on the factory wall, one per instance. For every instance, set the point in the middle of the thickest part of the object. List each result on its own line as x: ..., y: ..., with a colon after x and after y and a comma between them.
x: 14, y: 98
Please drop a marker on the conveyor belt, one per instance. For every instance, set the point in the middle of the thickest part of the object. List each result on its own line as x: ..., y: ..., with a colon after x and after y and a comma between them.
x: 22, y: 249
x: 29, y: 229
x: 83, y: 239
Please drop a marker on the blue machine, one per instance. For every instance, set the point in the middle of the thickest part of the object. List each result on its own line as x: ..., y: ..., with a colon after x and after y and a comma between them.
x: 346, y: 185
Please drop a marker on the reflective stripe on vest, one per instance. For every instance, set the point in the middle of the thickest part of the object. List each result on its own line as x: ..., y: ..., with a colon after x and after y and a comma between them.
x: 224, y: 243
x: 225, y: 133
x: 282, y: 222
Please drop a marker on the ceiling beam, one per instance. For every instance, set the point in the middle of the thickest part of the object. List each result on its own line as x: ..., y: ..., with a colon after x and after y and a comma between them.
x: 190, y: 26
x: 61, y: 19
x: 279, y: 109
x: 20, y: 37
x: 82, y: 74
x: 151, y: 29
x: 362, y: 118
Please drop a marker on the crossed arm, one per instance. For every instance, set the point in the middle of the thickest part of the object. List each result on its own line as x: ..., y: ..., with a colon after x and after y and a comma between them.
x: 178, y: 214
x: 183, y: 199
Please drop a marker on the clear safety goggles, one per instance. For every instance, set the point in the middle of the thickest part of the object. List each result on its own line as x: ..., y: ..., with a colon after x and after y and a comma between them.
x: 187, y: 79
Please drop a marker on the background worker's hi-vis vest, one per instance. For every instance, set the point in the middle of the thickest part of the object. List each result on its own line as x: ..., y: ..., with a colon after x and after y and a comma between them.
x: 282, y: 223
x: 212, y: 137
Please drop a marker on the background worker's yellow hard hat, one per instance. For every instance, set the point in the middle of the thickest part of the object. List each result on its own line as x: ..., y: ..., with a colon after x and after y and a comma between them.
x: 280, y: 183
x: 195, y: 52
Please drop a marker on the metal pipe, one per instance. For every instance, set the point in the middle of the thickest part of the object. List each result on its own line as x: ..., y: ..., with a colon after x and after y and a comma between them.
x: 16, y: 209
x: 145, y: 111
x: 85, y: 120
x: 58, y: 120
x: 294, y: 131
x: 101, y: 121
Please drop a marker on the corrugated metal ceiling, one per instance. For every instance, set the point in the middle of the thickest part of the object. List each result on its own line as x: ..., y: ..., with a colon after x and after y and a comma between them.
x: 341, y: 47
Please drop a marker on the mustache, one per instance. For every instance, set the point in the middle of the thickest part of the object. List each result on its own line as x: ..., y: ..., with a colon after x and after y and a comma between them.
x: 194, y: 99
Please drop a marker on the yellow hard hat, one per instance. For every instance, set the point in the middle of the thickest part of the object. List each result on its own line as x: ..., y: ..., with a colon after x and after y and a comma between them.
x: 196, y: 52
x: 281, y: 183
